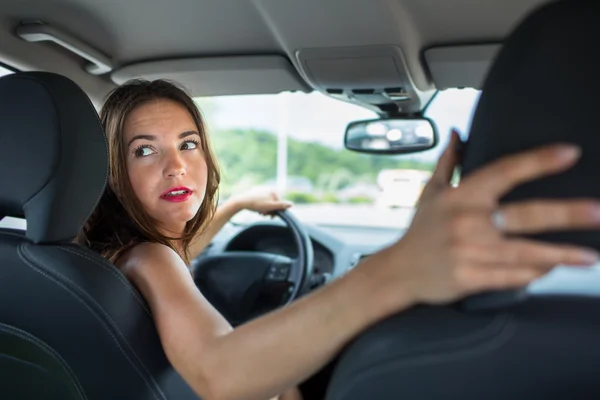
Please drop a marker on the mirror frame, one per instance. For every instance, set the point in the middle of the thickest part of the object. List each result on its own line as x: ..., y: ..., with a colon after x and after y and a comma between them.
x: 395, y: 151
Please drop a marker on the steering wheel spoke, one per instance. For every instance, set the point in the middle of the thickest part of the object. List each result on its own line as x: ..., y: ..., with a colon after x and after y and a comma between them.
x: 245, y: 284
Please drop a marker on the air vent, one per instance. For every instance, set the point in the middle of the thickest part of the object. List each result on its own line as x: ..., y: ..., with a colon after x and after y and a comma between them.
x: 335, y: 91
x: 356, y: 259
x: 393, y: 90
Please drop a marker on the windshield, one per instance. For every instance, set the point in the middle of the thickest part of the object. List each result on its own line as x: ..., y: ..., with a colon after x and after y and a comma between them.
x: 293, y: 143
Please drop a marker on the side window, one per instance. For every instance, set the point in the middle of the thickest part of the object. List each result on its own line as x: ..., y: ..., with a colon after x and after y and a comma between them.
x: 453, y: 108
x: 4, y: 71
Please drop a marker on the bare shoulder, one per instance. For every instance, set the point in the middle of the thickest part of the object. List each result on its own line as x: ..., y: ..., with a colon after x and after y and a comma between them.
x: 149, y: 254
x: 156, y: 270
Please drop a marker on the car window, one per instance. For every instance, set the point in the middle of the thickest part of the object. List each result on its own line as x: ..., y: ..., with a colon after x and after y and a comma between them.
x: 4, y: 71
x: 293, y: 143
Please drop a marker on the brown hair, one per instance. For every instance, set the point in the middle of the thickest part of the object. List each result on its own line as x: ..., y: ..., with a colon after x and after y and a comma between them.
x: 119, y: 222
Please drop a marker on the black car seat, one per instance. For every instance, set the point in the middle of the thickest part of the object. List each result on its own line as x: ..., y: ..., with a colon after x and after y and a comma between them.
x: 541, y: 342
x: 71, y: 325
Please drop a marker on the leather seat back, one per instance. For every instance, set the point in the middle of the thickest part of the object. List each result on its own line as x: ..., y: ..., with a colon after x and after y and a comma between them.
x: 68, y: 318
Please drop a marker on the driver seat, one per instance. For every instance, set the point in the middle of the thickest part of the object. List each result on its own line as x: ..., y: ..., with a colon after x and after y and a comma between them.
x: 71, y: 325
x: 541, y: 342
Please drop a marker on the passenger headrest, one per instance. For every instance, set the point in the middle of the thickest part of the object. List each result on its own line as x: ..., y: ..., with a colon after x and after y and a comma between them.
x: 542, y: 89
x: 53, y: 153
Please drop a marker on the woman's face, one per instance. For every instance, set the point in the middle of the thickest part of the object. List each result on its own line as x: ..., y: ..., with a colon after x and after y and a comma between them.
x: 165, y: 162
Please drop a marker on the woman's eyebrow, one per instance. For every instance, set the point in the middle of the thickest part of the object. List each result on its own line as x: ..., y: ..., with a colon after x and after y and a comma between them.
x: 138, y: 137
x: 152, y: 137
x: 188, y: 133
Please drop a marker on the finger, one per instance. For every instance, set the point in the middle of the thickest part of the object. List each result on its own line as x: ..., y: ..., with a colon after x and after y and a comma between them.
x: 281, y: 205
x: 485, y: 278
x: 494, y: 180
x: 445, y: 166
x: 515, y: 252
x: 536, y: 216
x: 524, y: 251
x: 275, y: 206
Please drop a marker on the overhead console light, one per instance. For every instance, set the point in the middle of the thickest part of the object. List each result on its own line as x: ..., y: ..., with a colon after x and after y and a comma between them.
x: 40, y: 32
x: 397, y: 94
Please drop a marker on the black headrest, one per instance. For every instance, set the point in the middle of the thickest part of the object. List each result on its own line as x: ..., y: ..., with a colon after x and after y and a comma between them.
x: 53, y: 153
x: 543, y: 88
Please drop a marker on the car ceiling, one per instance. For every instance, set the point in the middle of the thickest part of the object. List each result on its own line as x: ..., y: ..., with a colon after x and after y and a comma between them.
x: 176, y: 38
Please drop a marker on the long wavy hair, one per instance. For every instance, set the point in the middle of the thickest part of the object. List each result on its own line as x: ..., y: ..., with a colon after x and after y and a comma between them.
x: 119, y: 222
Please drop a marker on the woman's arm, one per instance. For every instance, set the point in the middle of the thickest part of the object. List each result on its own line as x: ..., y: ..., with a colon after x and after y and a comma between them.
x: 263, y: 202
x: 451, y: 249
x: 260, y: 359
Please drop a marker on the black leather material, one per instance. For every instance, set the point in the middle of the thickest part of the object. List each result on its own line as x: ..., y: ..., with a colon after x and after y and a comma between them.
x: 53, y: 152
x: 28, y: 381
x: 25, y: 359
x: 545, y: 348
x: 541, y: 89
x: 89, y: 332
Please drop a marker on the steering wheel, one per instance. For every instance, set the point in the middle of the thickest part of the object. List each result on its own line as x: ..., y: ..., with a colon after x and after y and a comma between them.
x: 243, y: 285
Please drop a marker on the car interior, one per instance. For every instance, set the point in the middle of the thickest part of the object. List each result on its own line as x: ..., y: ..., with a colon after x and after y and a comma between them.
x: 71, y: 323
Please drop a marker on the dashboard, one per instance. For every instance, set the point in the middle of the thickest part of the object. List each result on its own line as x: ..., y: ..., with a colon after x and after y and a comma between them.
x: 278, y: 240
x: 337, y: 249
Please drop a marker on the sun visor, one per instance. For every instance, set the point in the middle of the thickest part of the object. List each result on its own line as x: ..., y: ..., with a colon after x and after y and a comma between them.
x: 213, y: 76
x: 460, y: 66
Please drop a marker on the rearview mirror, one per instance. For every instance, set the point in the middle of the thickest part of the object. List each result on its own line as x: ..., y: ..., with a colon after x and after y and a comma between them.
x: 391, y: 136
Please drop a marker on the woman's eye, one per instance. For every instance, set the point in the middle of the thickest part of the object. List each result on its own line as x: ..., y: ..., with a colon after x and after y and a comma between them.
x: 142, y: 151
x: 189, y: 145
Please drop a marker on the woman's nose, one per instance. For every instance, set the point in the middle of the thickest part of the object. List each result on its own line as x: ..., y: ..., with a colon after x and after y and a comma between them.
x: 175, y: 166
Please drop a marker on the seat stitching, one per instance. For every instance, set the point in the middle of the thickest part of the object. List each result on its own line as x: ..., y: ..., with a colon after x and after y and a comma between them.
x: 111, y: 270
x: 24, y: 250
x: 29, y: 254
x: 468, y: 350
x: 34, y: 340
x: 3, y: 231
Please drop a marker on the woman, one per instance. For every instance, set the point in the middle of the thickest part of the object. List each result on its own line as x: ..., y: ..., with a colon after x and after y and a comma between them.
x: 162, y: 190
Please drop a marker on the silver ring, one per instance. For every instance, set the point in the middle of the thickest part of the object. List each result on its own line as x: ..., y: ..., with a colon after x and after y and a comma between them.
x: 498, y: 220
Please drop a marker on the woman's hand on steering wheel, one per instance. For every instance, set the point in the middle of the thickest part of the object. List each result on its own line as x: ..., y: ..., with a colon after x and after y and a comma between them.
x: 261, y: 201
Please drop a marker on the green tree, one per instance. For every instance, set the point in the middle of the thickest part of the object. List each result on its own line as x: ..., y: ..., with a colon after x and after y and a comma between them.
x: 250, y: 157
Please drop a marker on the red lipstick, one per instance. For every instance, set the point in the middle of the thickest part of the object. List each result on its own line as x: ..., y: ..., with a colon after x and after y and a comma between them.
x: 177, y: 194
